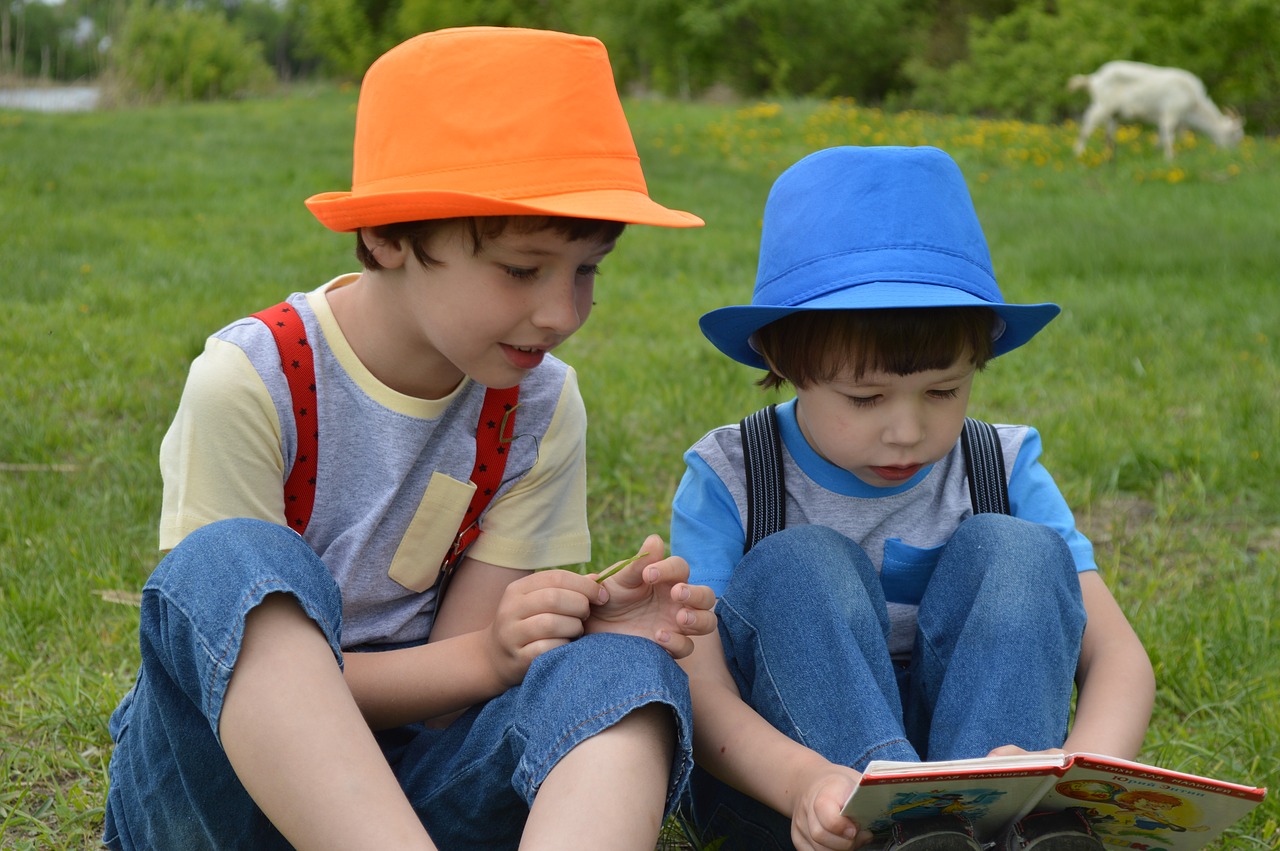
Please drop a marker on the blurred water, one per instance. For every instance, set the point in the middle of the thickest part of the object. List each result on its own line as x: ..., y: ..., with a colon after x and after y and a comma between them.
x: 51, y: 99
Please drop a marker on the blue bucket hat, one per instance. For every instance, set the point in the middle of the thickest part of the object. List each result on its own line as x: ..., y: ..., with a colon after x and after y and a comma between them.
x: 856, y: 228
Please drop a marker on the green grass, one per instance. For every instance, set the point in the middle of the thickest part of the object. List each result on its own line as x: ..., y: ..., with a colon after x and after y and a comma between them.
x: 131, y: 235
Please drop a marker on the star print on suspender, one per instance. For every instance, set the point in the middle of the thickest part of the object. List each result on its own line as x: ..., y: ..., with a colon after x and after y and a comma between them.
x: 495, y: 430
x: 299, y: 370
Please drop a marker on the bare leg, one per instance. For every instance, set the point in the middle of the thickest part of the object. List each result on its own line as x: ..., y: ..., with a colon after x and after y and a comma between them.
x: 298, y: 742
x: 608, y: 793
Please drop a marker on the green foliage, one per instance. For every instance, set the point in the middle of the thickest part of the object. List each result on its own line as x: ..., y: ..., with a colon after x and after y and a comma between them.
x: 185, y: 53
x: 54, y: 40
x: 756, y: 47
x: 277, y: 28
x: 1018, y: 64
x: 344, y: 36
x: 417, y: 16
x: 1008, y: 58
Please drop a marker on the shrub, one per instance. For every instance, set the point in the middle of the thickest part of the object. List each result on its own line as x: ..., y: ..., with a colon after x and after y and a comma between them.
x: 185, y: 54
x: 1018, y: 64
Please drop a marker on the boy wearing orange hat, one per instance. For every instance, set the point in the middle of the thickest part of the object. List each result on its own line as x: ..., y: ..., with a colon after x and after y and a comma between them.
x: 305, y: 679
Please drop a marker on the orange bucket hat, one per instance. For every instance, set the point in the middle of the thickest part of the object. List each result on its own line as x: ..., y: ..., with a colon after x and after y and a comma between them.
x: 492, y: 121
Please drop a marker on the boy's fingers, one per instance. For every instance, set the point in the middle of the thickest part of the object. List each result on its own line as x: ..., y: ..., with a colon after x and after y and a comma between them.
x: 558, y: 592
x: 673, y: 569
x: 694, y: 596
x: 654, y: 546
x: 677, y: 646
x: 696, y: 622
x: 566, y: 580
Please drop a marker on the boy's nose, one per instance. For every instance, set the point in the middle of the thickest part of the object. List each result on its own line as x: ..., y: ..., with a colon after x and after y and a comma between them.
x: 904, y: 429
x: 557, y: 308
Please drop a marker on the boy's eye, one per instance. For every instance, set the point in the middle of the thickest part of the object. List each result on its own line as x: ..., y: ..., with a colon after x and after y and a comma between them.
x: 950, y: 393
x: 521, y: 273
x: 863, y: 401
x: 591, y: 270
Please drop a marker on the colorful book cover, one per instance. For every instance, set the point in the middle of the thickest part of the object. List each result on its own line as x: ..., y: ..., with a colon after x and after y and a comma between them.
x: 1130, y: 805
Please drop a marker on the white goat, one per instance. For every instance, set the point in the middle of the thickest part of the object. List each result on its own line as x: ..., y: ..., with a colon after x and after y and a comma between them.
x: 1169, y: 98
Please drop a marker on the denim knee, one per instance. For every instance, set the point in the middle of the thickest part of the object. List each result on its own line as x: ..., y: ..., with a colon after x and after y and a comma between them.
x: 473, y: 782
x: 196, y: 601
x: 171, y: 783
x: 589, y: 685
x: 1011, y: 565
x: 799, y: 563
x: 1002, y: 618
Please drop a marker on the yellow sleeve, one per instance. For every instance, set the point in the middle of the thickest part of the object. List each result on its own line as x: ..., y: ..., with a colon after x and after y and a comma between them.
x: 221, y: 457
x: 542, y: 521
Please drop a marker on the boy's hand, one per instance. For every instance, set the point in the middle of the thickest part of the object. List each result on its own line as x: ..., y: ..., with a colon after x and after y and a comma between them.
x: 1014, y: 750
x: 651, y: 598
x: 536, y: 613
x: 817, y: 822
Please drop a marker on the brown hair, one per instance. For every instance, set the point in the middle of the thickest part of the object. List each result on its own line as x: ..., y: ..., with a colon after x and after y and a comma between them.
x: 485, y: 227
x: 811, y: 346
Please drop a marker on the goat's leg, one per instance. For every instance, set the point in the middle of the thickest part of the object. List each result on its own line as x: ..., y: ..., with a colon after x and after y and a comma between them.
x: 1111, y: 137
x: 1168, y: 130
x: 1093, y: 116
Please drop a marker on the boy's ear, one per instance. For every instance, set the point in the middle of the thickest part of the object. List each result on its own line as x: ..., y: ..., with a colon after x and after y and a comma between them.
x: 389, y: 254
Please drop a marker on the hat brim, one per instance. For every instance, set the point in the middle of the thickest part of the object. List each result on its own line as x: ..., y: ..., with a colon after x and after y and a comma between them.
x: 347, y: 211
x: 730, y: 328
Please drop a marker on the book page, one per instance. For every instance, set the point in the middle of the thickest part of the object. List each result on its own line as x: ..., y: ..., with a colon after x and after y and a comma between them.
x: 886, y: 767
x: 989, y: 799
x: 1131, y: 805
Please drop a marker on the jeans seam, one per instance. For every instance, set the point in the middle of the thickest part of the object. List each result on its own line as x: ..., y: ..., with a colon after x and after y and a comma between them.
x: 869, y: 755
x: 763, y: 667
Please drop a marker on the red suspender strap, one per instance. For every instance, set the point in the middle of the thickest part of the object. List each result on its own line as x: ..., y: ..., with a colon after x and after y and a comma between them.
x: 300, y: 371
x: 494, y: 432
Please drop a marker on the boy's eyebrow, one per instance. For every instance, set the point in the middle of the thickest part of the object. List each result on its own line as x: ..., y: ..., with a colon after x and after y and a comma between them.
x: 959, y: 373
x: 880, y: 379
x: 539, y: 251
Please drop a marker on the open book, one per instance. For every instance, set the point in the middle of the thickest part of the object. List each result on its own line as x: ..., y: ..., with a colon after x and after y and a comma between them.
x: 1130, y: 805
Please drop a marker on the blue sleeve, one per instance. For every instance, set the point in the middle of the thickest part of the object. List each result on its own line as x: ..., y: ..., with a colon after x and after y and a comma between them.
x: 1034, y: 496
x: 706, y: 529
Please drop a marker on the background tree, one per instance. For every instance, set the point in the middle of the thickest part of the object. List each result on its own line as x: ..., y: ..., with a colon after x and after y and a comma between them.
x: 1018, y: 63
x: 989, y: 57
x: 760, y: 47
x: 186, y: 52
x: 54, y: 40
x: 277, y: 27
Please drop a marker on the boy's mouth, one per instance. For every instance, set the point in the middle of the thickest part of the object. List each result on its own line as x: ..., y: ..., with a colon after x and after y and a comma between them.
x: 897, y: 474
x: 524, y: 357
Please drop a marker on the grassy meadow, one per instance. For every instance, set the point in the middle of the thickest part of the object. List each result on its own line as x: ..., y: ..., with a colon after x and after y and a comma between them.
x: 129, y: 236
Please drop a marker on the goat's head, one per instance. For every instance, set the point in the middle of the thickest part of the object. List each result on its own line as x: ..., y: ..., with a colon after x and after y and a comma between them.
x: 1230, y: 129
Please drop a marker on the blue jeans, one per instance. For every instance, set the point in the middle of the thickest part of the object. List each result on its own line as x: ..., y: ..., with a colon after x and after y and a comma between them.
x: 471, y: 783
x: 804, y: 626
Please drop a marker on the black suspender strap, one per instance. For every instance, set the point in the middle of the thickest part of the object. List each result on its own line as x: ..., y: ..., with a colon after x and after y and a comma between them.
x: 766, y: 495
x: 984, y: 463
x: 762, y: 454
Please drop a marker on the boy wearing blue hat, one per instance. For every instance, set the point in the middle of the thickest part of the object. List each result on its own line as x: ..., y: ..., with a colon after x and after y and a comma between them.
x: 878, y: 597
